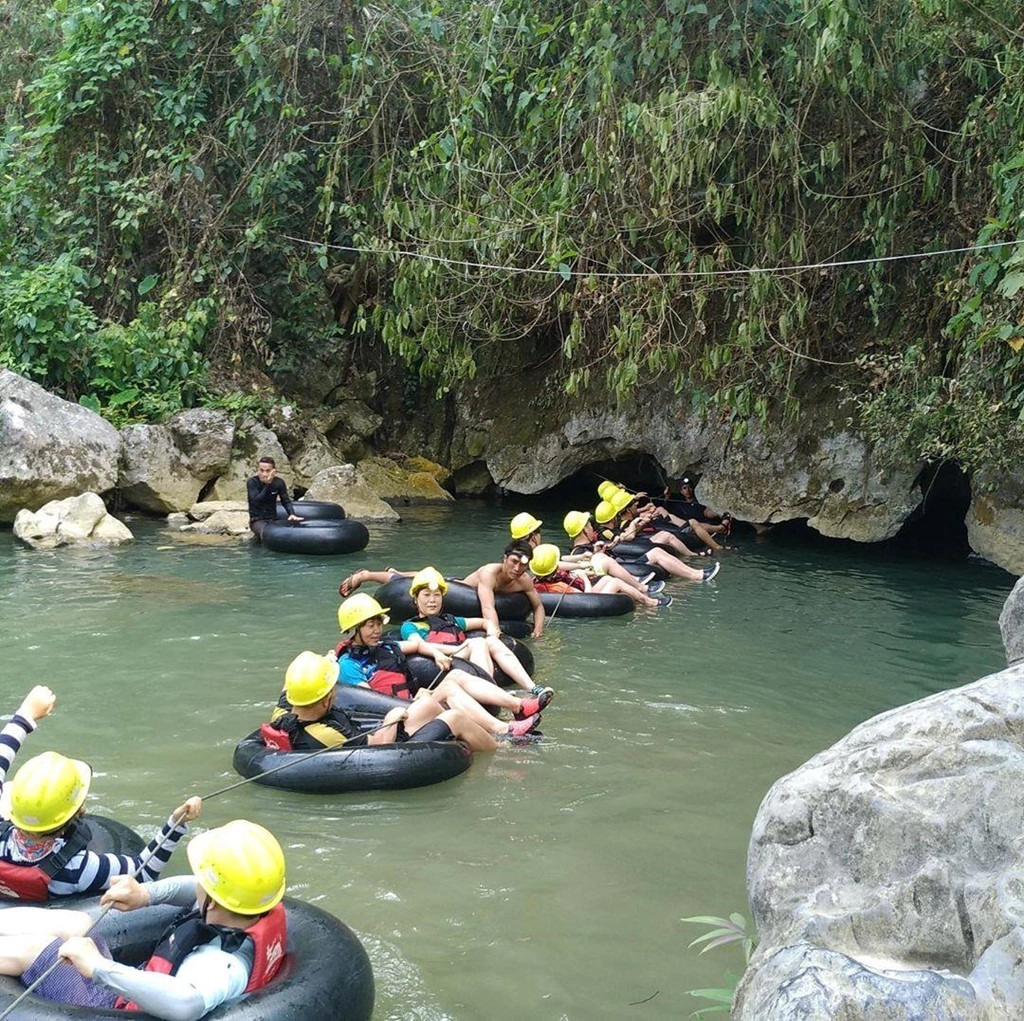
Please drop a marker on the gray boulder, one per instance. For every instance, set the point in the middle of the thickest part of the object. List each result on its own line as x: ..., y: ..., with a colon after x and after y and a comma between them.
x: 50, y: 448
x: 73, y: 521
x: 164, y: 467
x: 995, y: 521
x: 1011, y: 624
x: 885, y: 874
x: 345, y: 485
x: 252, y: 441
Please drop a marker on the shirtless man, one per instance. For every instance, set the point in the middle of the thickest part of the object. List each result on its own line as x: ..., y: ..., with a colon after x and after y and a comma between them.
x: 509, y: 575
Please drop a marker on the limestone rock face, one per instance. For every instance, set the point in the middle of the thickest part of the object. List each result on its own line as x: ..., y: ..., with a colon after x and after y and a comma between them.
x: 405, y: 485
x: 995, y: 522
x: 345, y: 485
x: 885, y: 874
x: 50, y: 448
x: 1011, y: 624
x: 164, y: 467
x: 75, y: 520
x: 818, y: 470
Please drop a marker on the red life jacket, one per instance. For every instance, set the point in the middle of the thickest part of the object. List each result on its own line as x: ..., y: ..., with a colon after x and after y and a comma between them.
x: 391, y: 672
x: 563, y: 578
x: 443, y: 630
x: 269, y: 936
x: 274, y: 738
x: 32, y: 882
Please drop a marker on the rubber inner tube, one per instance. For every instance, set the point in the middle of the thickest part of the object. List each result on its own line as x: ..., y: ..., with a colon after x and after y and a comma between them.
x: 382, y: 767
x: 322, y: 537
x: 326, y: 974
x: 313, y: 510
x: 460, y: 600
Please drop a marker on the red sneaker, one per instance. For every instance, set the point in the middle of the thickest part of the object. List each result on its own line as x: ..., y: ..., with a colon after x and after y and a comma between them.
x: 534, y: 704
x: 520, y: 728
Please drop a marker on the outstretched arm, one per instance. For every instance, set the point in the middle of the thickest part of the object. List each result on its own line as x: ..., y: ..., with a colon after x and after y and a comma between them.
x: 538, y: 611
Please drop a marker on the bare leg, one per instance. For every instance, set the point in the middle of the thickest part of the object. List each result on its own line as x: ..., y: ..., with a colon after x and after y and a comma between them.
x: 452, y: 695
x: 702, y: 533
x: 26, y: 932
x: 465, y: 729
x: 484, y: 692
x: 505, y: 658
x: 477, y: 651
x: 668, y: 539
x: 673, y: 565
x: 613, y: 568
x: 614, y: 586
x: 419, y: 712
x: 357, y: 578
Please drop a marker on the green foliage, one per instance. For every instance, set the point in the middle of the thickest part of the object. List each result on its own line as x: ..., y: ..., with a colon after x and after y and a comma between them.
x: 598, y: 188
x: 723, y: 932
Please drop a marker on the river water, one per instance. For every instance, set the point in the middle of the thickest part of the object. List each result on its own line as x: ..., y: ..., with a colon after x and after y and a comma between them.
x: 549, y: 881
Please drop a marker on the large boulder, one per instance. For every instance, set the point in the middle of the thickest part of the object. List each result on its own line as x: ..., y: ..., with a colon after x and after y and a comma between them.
x: 164, y: 467
x: 1011, y: 624
x: 885, y: 874
x: 414, y: 482
x: 73, y: 521
x: 995, y: 520
x: 50, y: 448
x: 252, y: 441
x: 345, y: 485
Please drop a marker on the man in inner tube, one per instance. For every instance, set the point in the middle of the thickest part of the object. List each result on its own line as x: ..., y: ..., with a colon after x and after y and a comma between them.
x: 509, y: 575
x: 228, y: 940
x: 263, y: 490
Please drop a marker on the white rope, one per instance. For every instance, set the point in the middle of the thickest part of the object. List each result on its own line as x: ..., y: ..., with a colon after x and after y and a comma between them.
x: 684, y: 274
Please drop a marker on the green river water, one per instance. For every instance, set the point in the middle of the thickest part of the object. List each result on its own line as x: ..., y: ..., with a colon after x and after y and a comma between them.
x: 549, y: 881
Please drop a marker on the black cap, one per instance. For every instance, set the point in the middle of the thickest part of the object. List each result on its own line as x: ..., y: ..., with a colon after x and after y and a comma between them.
x: 686, y: 482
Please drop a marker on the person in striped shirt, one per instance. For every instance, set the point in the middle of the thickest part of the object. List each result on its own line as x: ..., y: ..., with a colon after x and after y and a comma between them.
x: 43, y: 847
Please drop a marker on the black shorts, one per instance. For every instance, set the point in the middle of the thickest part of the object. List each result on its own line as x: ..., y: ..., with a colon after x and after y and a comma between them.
x: 435, y: 730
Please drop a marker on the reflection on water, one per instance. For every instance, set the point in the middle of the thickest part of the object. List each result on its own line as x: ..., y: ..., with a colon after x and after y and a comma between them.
x: 547, y: 882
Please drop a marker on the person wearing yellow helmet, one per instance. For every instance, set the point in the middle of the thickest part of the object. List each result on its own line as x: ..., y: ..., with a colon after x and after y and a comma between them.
x: 508, y: 575
x: 369, y: 657
x: 228, y: 940
x: 552, y: 575
x: 525, y: 527
x: 306, y: 718
x: 586, y: 553
x: 486, y: 652
x: 620, y: 526
x: 44, y: 849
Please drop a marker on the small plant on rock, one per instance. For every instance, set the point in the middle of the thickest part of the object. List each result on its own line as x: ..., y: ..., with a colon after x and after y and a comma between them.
x: 723, y: 931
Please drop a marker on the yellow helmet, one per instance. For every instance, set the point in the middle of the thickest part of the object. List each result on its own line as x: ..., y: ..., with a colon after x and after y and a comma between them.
x: 621, y: 500
x: 575, y: 522
x: 431, y: 578
x: 606, y: 489
x: 545, y: 559
x: 604, y: 512
x: 358, y: 609
x: 523, y: 525
x: 309, y: 678
x: 47, y: 791
x: 240, y: 865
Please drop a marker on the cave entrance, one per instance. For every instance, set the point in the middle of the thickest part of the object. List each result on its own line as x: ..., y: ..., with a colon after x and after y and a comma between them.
x: 938, y: 529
